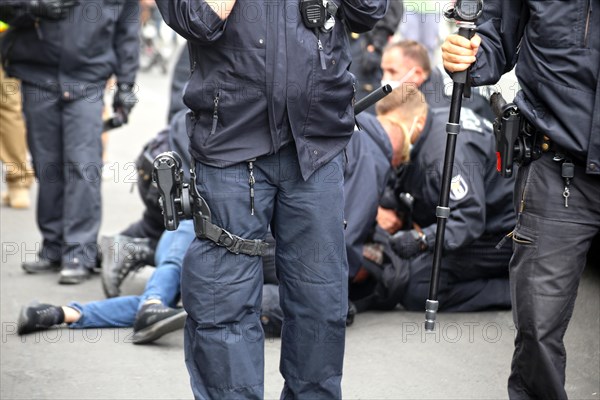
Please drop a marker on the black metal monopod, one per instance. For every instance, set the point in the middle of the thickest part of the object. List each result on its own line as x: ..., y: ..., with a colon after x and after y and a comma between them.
x: 465, y: 13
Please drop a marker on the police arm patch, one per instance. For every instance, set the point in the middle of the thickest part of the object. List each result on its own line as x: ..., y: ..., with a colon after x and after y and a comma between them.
x: 458, y: 188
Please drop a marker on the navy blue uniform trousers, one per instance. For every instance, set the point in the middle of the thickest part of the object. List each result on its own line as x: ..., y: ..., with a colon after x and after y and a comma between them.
x: 222, y: 292
x: 550, y: 245
x: 65, y: 145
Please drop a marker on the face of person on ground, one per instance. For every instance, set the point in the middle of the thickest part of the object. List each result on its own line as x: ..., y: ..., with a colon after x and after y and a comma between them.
x: 398, y: 69
x: 399, y: 138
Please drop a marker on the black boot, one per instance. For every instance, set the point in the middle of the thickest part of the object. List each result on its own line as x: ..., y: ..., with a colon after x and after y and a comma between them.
x: 155, y: 320
x: 74, y: 273
x: 41, y: 265
x: 38, y: 317
x: 121, y: 255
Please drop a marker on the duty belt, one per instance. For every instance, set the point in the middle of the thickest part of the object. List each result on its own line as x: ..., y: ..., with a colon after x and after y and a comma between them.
x: 547, y: 145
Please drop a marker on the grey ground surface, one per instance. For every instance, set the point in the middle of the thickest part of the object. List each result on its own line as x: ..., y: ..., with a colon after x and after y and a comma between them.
x: 388, y: 355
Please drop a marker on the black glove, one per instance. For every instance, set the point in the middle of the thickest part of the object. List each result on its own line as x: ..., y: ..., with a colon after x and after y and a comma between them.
x: 124, y: 100
x: 408, y: 244
x: 51, y: 9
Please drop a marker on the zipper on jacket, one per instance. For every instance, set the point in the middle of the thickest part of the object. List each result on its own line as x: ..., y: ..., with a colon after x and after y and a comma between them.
x: 321, y: 51
x: 215, y: 112
x: 587, y: 24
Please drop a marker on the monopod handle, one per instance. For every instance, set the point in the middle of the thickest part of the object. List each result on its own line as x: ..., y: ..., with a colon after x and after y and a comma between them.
x: 467, y: 31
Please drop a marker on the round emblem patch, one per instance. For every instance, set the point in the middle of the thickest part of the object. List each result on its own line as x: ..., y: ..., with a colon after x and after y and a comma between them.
x: 458, y: 188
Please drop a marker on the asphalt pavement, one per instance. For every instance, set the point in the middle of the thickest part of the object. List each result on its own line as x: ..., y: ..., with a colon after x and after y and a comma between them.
x: 388, y: 355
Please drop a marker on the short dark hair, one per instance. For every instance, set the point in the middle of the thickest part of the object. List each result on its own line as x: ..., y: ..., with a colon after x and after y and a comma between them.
x: 413, y: 50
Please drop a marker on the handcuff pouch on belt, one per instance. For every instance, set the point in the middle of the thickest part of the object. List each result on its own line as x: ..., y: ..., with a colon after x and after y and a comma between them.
x: 181, y: 200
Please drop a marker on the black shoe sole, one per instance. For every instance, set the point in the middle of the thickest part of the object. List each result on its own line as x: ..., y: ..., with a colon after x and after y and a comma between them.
x: 73, y: 280
x: 23, y: 320
x: 52, y: 268
x: 160, y: 328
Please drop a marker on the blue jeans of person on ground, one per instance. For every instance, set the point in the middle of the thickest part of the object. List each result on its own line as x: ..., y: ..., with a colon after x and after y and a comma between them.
x: 222, y: 291
x: 163, y: 285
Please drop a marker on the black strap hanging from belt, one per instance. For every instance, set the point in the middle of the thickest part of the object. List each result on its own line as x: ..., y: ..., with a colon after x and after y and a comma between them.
x: 205, y: 229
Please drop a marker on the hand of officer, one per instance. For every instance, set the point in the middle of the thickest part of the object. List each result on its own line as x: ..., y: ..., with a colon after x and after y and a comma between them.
x: 459, y: 53
x: 124, y: 100
x: 408, y: 243
x: 51, y: 9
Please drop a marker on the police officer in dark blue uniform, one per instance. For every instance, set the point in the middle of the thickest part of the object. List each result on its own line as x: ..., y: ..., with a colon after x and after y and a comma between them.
x: 557, y: 197
x: 474, y: 274
x: 271, y: 104
x: 64, y: 51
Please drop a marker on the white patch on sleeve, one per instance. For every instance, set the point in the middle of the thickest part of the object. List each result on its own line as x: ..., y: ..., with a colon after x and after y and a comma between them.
x: 458, y: 188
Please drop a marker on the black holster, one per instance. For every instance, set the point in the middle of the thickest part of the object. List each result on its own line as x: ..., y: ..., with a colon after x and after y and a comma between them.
x: 517, y: 141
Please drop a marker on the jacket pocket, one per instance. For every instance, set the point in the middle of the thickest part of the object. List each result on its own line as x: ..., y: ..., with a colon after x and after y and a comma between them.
x: 331, y: 108
x: 561, y: 24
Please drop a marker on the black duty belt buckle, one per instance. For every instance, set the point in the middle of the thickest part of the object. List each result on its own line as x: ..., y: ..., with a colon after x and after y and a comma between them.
x: 229, y: 241
x: 226, y: 239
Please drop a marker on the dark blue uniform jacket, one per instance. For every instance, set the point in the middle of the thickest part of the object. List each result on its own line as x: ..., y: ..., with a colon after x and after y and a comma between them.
x: 260, y: 71
x: 369, y: 165
x: 78, y: 54
x: 480, y: 199
x: 558, y: 67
